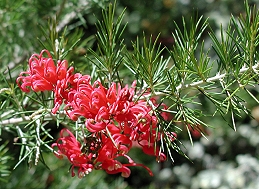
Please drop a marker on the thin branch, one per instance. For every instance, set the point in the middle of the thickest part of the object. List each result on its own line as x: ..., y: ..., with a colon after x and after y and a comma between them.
x: 15, y: 120
x: 218, y: 76
x: 29, y: 118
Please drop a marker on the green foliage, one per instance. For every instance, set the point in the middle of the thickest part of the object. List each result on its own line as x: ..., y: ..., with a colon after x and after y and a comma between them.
x: 198, y: 84
x: 4, y: 158
x: 109, y: 56
x: 147, y: 63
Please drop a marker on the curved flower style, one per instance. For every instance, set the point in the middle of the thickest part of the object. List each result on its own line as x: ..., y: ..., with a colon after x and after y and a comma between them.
x: 41, y: 74
x: 71, y: 148
x: 113, y: 166
x: 119, y: 147
x: 100, y: 155
x: 65, y: 83
x: 98, y: 103
x: 44, y: 75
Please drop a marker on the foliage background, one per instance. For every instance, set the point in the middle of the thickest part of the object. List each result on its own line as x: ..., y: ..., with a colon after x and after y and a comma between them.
x: 227, y: 159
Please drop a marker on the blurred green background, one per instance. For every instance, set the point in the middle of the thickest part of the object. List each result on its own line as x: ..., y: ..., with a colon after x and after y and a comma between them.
x: 227, y: 159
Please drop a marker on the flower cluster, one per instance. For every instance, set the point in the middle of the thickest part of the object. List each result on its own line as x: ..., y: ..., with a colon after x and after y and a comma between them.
x: 115, y: 121
x: 44, y: 75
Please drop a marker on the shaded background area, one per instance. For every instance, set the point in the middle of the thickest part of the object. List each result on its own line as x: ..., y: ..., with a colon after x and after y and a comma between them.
x: 227, y: 159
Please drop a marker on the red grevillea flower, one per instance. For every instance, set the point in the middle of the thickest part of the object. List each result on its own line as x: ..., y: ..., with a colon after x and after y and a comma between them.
x: 100, y: 152
x: 44, y: 75
x: 114, y: 120
x: 65, y: 83
x: 111, y: 115
x: 116, y: 146
x: 71, y: 148
x: 103, y: 107
x: 97, y: 103
x: 41, y: 75
x: 112, y: 166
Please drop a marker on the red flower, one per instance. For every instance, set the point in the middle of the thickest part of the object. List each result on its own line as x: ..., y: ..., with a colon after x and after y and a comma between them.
x: 97, y: 103
x: 80, y: 100
x: 71, y: 148
x: 111, y: 115
x: 41, y: 74
x: 93, y: 126
x: 64, y: 85
x: 150, y: 149
x: 113, y: 166
x: 110, y: 150
x: 44, y: 75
